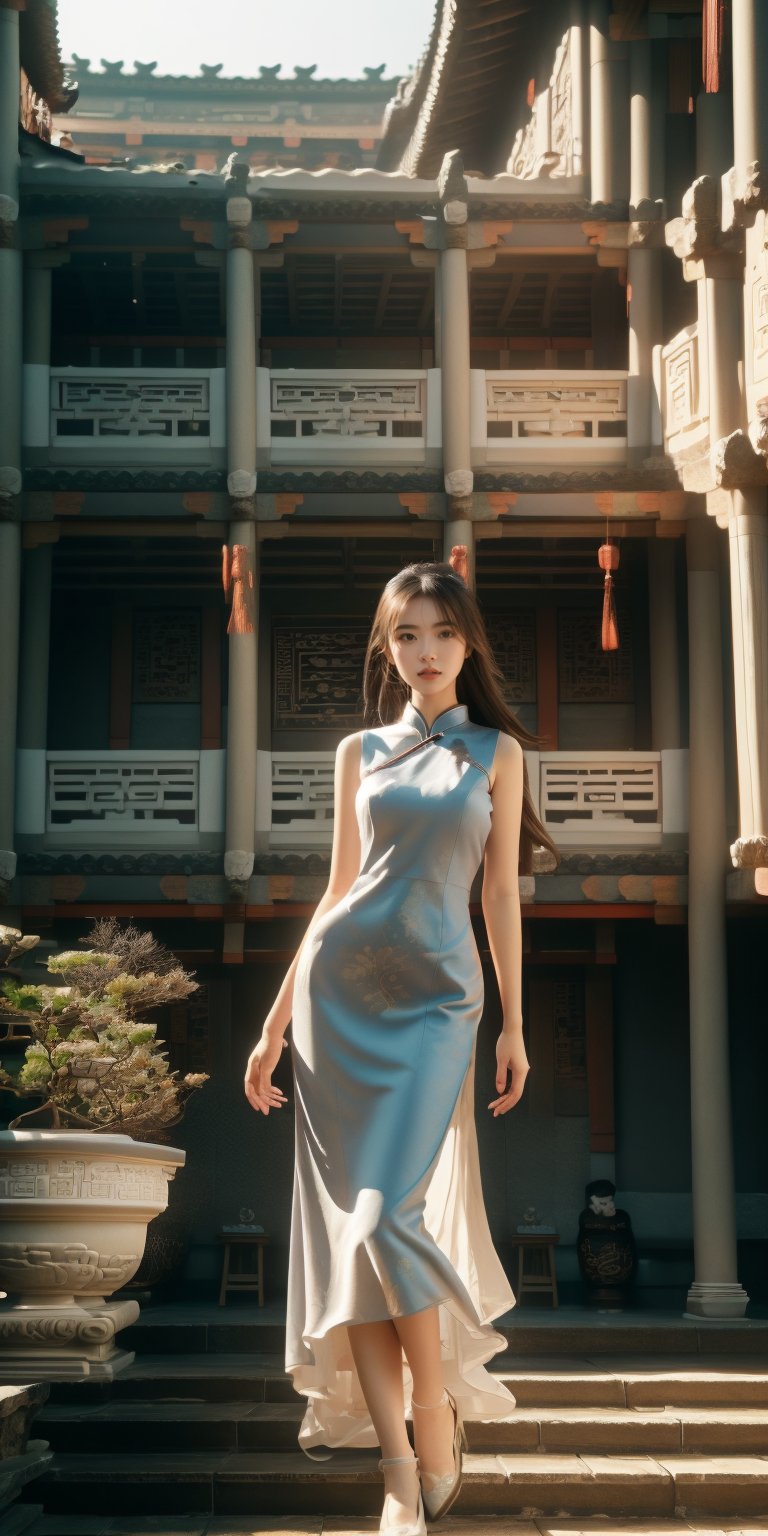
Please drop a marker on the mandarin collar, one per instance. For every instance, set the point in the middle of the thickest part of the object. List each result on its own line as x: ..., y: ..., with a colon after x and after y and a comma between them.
x: 458, y: 714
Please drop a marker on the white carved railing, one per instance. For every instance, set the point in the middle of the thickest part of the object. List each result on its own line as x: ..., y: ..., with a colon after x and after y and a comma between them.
x: 577, y: 416
x: 136, y: 413
x: 585, y: 798
x: 302, y: 797
x: 153, y: 794
x: 372, y: 415
x: 684, y: 403
x: 595, y: 797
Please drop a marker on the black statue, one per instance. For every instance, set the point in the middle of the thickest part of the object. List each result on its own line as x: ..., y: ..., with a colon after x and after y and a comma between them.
x: 606, y: 1247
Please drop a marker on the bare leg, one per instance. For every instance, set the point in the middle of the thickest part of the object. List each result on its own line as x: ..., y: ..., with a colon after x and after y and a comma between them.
x: 378, y: 1357
x: 419, y: 1334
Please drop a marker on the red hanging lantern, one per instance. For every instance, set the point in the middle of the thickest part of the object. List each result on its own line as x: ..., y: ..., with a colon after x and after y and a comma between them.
x: 459, y: 560
x: 236, y: 573
x: 608, y: 556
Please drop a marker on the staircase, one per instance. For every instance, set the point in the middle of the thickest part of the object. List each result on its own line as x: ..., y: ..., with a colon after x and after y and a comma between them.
x: 640, y: 1420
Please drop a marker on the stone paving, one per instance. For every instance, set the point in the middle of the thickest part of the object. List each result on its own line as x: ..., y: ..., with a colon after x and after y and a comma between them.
x: 485, y: 1525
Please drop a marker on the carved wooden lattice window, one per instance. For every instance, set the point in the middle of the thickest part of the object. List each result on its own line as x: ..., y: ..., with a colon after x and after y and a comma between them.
x: 318, y: 673
x: 513, y: 642
x: 185, y: 1027
x: 586, y: 673
x: 570, y: 1048
x: 166, y: 656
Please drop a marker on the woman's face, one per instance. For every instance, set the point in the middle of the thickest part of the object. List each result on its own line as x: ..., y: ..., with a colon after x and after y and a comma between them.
x: 427, y: 648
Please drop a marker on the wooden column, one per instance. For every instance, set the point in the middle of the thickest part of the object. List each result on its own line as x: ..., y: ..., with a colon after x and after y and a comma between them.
x: 34, y: 649
x: 643, y: 264
x: 748, y: 545
x: 454, y: 305
x: 10, y: 428
x: 716, y: 1291
x: 454, y: 333
x: 664, y: 655
x: 240, y: 832
x: 749, y: 30
x: 601, y: 147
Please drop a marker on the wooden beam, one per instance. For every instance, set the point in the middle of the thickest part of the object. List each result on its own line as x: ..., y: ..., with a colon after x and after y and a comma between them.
x: 338, y: 291
x: 121, y: 678
x: 381, y: 303
x: 513, y: 294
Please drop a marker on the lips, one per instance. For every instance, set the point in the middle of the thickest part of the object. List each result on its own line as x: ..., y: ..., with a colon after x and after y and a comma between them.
x: 429, y: 672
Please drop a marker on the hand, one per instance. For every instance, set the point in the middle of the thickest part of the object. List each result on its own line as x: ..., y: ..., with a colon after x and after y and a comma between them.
x: 510, y: 1053
x: 260, y: 1091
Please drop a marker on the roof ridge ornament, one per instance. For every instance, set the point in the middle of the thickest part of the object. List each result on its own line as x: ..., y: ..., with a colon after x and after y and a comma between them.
x: 452, y: 188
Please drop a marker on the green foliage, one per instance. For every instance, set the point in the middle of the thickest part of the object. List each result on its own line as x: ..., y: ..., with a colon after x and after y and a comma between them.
x: 94, y: 1062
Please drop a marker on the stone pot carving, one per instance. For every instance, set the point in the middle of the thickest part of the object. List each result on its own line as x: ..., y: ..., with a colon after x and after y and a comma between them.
x: 74, y: 1211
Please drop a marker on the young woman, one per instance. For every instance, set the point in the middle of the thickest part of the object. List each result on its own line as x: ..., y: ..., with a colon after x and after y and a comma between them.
x: 393, y: 1277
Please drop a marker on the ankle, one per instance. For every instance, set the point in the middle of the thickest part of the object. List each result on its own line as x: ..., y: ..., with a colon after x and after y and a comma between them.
x: 441, y: 1401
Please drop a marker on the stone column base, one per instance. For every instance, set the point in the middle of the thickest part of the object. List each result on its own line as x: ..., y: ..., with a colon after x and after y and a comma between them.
x: 708, y: 1299
x: 68, y: 1343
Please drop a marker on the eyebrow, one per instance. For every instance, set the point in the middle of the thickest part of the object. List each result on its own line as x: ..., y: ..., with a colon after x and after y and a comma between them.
x: 439, y: 624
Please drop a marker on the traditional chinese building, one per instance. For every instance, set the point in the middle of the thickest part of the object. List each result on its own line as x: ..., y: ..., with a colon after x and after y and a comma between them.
x: 536, y: 326
x: 139, y: 117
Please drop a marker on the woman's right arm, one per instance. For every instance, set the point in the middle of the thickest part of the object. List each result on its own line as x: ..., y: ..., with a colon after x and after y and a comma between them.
x: 345, y: 864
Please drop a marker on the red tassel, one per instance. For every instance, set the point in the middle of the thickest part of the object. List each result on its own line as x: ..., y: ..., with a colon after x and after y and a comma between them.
x: 711, y: 44
x: 237, y: 574
x: 458, y: 558
x: 608, y: 557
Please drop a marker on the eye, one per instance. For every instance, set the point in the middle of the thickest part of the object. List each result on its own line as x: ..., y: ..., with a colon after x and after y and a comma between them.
x: 405, y: 635
x: 447, y: 634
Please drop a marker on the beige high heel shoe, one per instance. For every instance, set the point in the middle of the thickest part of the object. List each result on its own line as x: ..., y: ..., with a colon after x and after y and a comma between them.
x: 443, y: 1491
x: 417, y: 1528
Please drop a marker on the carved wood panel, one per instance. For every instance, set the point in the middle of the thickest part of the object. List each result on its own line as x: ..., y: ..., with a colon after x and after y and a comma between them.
x: 513, y: 642
x: 318, y: 673
x: 586, y: 673
x: 166, y: 656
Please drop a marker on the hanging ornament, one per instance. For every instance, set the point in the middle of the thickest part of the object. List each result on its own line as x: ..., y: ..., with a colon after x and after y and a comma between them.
x: 459, y: 560
x: 236, y: 573
x: 712, y: 34
x: 608, y: 556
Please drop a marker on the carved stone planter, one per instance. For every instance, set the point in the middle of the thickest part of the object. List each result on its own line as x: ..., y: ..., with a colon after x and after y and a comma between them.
x: 74, y: 1211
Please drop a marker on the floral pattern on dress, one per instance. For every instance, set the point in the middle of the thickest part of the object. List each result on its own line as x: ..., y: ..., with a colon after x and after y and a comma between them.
x: 379, y: 973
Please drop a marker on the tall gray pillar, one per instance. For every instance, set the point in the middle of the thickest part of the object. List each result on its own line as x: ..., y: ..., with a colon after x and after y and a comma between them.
x: 748, y: 546
x: 35, y: 648
x: 715, y: 1291
x: 662, y: 628
x: 240, y: 833
x: 10, y: 428
x: 454, y: 305
x: 601, y: 145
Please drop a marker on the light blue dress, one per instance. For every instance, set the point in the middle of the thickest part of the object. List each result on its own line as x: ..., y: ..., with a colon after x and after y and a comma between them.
x: 388, y: 1214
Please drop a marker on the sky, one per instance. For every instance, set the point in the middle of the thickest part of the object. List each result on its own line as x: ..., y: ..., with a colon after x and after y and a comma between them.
x: 339, y: 36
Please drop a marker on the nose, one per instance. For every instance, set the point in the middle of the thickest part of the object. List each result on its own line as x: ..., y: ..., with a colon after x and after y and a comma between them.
x: 427, y: 651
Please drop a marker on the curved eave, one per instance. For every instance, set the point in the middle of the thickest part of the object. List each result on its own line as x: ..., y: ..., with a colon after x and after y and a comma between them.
x: 474, y: 56
x: 41, y: 55
x: 369, y: 195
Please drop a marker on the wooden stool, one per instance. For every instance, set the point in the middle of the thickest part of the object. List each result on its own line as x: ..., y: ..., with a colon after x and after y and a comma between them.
x: 541, y: 1274
x: 238, y: 1278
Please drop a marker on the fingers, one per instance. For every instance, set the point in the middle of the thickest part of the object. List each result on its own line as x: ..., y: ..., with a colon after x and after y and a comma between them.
x: 263, y: 1095
x: 509, y: 1099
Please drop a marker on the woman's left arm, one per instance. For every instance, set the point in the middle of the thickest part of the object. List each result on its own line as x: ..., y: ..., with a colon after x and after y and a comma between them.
x: 501, y: 910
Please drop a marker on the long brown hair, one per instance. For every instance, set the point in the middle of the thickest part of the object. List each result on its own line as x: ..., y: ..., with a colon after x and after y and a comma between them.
x: 478, y: 685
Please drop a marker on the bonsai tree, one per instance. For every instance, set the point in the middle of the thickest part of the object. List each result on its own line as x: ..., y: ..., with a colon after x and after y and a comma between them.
x: 94, y: 1058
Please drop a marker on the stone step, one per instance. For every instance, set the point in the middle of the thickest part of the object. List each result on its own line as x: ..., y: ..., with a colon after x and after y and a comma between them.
x: 567, y: 1382
x: 529, y: 1330
x: 319, y: 1525
x: 166, y: 1427
x: 511, y: 1485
